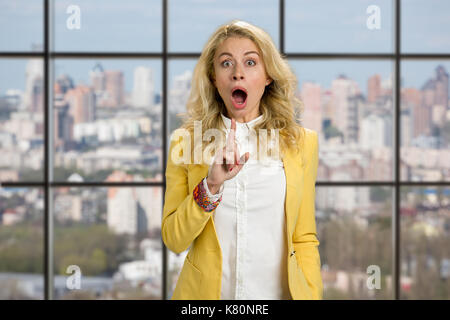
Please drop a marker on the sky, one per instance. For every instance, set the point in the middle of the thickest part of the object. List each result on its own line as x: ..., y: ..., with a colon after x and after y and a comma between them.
x: 311, y: 26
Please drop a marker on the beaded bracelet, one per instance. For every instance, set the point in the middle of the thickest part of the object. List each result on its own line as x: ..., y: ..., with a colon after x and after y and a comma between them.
x: 202, y: 199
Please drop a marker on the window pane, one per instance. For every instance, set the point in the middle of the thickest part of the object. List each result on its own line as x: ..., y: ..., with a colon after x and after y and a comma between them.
x: 107, y: 117
x: 24, y: 20
x: 354, y: 228
x: 108, y: 25
x: 21, y: 239
x: 339, y: 26
x: 21, y: 120
x: 113, y: 235
x: 425, y: 121
x: 180, y: 77
x: 190, y: 35
x: 425, y: 239
x: 425, y: 26
x: 350, y: 104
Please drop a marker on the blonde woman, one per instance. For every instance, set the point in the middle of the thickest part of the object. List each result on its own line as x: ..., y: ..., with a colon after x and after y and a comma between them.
x: 247, y: 218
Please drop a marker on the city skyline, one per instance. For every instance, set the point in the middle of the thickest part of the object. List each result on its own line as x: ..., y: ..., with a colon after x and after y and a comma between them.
x: 305, y: 70
x: 106, y: 127
x: 100, y: 124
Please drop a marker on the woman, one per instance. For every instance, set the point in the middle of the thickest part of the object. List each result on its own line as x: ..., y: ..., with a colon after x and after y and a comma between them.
x: 250, y: 224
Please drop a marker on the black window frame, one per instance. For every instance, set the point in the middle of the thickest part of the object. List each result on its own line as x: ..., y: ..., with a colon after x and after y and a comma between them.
x: 48, y: 184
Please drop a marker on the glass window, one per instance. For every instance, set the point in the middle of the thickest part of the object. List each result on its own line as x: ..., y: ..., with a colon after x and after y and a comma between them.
x: 354, y: 228
x: 107, y: 117
x: 425, y: 121
x: 350, y: 105
x: 425, y: 26
x: 425, y: 239
x: 22, y: 26
x: 105, y: 25
x: 21, y: 239
x: 339, y: 26
x: 189, y: 34
x: 21, y: 120
x: 180, y: 77
x: 112, y: 236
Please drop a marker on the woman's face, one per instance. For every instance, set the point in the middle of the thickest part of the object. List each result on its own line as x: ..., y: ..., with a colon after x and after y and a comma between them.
x: 240, y: 77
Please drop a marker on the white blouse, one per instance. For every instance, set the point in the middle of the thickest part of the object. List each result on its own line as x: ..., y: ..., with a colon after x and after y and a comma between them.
x: 251, y: 227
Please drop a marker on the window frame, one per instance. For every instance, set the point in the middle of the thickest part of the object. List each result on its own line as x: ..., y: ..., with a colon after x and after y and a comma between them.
x: 48, y: 56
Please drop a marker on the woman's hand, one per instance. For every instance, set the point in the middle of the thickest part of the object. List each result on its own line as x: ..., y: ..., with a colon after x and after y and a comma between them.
x: 226, y: 163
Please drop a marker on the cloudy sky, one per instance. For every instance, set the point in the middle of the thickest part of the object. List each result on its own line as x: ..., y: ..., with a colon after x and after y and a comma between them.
x: 311, y: 26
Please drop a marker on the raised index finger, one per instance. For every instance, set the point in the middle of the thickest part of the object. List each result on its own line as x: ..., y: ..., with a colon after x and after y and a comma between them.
x: 230, y: 143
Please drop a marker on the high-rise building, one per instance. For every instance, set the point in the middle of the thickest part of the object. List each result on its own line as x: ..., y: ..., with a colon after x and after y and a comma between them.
x: 441, y: 87
x: 108, y: 86
x: 97, y: 77
x: 179, y: 92
x: 125, y: 212
x: 406, y: 127
x: 373, y: 88
x: 312, y: 113
x: 342, y: 89
x: 81, y: 102
x: 122, y: 211
x: 114, y: 87
x: 143, y: 88
x: 64, y: 83
x: 63, y: 123
x: 376, y: 132
x: 410, y: 97
x: 34, y: 85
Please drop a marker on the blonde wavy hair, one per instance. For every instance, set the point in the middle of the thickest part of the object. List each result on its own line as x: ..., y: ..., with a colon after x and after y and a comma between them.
x: 279, y: 106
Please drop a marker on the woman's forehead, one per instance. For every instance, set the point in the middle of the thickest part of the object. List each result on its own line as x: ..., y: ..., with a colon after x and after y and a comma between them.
x: 236, y: 45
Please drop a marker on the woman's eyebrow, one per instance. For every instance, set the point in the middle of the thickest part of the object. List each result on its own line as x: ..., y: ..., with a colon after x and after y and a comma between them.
x: 229, y: 54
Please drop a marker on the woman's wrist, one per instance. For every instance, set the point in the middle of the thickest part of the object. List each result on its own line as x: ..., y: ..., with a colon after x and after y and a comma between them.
x: 204, y: 198
x: 213, y: 187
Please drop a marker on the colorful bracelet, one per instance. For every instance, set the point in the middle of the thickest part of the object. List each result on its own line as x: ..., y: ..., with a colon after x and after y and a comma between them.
x: 202, y: 199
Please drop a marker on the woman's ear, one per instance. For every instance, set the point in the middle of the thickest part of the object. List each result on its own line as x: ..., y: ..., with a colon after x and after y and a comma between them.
x: 268, y: 81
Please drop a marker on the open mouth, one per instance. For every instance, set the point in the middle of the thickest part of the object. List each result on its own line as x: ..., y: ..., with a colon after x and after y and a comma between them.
x: 239, y: 97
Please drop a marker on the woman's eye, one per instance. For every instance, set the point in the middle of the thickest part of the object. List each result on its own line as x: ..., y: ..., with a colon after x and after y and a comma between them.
x: 252, y: 62
x: 224, y: 63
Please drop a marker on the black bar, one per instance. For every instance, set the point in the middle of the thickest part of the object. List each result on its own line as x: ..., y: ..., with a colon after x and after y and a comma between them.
x: 164, y: 135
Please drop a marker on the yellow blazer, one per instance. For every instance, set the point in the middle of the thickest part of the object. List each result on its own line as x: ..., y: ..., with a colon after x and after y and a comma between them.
x: 185, y: 224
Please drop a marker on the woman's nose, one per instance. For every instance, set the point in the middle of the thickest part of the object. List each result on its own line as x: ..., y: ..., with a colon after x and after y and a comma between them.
x: 238, y: 74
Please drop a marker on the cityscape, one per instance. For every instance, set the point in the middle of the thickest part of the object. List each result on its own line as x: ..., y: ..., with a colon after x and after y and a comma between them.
x: 106, y: 126
x: 103, y: 133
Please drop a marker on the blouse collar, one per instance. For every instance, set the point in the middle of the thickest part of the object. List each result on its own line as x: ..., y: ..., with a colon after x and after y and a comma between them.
x: 243, y: 125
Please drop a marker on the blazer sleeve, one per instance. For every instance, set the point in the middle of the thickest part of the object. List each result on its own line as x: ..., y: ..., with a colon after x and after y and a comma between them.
x: 183, y: 219
x: 305, y: 238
